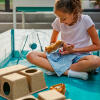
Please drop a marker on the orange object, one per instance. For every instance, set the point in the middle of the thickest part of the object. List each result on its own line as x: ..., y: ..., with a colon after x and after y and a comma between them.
x: 54, y: 46
x: 59, y: 87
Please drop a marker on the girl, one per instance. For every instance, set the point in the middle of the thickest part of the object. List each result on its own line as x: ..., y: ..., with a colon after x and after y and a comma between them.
x: 76, y: 29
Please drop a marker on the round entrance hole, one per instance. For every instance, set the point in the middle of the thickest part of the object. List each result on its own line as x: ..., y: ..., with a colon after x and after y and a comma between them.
x: 6, y: 88
x: 29, y: 99
x: 30, y: 70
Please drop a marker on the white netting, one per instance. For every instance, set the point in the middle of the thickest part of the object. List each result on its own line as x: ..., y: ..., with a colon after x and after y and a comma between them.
x: 5, y: 45
x: 34, y: 36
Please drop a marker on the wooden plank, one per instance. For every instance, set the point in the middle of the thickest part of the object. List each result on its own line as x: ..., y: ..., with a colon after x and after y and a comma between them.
x: 11, y: 69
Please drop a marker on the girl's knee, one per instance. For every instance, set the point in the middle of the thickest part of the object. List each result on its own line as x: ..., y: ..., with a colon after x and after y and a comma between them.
x: 94, y: 60
x: 30, y: 54
x: 97, y: 61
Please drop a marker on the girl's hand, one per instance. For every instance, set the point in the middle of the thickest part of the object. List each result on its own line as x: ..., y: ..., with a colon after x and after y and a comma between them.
x: 67, y: 49
x: 66, y: 52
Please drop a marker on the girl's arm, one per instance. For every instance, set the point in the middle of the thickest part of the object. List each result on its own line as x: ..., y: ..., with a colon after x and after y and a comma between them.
x: 95, y: 43
x: 54, y: 36
x: 95, y: 40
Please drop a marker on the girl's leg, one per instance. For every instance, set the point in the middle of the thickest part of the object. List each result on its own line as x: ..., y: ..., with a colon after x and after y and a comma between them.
x: 39, y: 59
x: 85, y: 64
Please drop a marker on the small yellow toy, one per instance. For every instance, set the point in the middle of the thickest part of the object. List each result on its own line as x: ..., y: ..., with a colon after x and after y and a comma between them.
x: 59, y: 87
x: 54, y: 46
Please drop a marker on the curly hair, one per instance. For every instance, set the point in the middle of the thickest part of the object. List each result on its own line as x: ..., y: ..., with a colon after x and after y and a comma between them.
x: 69, y: 6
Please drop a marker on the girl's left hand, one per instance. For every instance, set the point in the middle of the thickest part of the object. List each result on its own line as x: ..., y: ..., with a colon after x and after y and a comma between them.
x: 66, y: 52
x: 67, y: 49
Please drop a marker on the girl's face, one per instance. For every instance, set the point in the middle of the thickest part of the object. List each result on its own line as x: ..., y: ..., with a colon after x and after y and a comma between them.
x: 65, y: 18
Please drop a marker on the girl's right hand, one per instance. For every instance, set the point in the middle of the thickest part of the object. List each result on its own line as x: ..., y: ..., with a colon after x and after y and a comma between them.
x: 67, y: 47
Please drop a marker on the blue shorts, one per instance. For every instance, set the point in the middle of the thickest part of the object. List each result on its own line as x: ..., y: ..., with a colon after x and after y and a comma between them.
x: 60, y: 63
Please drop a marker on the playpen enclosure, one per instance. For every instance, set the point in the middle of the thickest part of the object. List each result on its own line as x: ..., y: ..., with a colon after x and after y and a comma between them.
x: 12, y: 42
x: 15, y: 43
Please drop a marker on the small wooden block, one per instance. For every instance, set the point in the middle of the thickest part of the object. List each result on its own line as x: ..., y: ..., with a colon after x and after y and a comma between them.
x: 35, y: 79
x: 10, y: 69
x: 14, y: 86
x: 51, y: 95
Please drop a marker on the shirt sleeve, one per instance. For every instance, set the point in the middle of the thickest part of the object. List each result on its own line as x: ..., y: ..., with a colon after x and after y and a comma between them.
x: 56, y: 25
x: 88, y: 22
